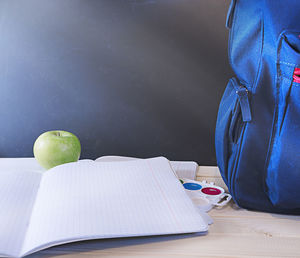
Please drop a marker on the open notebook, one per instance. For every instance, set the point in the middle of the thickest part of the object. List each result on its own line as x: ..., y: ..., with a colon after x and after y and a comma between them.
x: 91, y: 200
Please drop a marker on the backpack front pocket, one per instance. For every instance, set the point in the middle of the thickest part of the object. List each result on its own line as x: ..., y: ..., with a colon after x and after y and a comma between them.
x: 234, y: 110
x: 283, y: 167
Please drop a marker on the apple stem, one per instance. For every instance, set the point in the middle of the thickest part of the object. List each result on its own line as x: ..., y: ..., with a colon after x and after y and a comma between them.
x: 58, y: 134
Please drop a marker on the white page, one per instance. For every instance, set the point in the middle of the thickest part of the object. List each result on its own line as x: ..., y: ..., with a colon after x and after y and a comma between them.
x: 20, y: 164
x: 87, y: 199
x: 183, y: 169
x: 18, y: 191
x: 115, y: 158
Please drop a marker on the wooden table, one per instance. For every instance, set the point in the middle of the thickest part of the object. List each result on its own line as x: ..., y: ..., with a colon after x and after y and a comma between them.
x: 235, y: 233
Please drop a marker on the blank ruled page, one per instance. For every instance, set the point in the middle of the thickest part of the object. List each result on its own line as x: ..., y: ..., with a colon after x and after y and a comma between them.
x: 17, y: 194
x: 20, y: 164
x: 87, y: 199
x: 183, y: 169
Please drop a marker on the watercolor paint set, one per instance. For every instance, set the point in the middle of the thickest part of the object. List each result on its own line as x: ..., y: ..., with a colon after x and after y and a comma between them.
x: 205, y: 195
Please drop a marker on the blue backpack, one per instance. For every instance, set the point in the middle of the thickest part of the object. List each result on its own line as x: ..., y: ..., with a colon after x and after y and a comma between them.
x: 258, y: 126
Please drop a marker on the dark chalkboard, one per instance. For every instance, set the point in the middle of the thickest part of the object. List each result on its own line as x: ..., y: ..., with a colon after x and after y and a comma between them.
x: 128, y: 77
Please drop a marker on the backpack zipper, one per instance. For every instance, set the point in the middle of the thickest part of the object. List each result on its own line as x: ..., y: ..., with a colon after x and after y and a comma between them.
x: 243, y: 96
x: 233, y: 174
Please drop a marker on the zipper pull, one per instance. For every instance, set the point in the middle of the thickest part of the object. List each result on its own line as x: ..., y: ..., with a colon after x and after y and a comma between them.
x: 243, y: 95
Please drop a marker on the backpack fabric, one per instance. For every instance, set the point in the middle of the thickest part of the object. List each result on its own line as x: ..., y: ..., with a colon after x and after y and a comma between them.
x: 257, y: 133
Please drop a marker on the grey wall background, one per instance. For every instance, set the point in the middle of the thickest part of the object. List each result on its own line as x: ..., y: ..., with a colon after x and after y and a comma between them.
x: 128, y: 77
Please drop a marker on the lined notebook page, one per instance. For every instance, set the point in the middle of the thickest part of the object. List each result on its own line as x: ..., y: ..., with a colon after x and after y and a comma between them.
x: 20, y: 164
x: 183, y: 169
x: 87, y: 199
x: 17, y: 194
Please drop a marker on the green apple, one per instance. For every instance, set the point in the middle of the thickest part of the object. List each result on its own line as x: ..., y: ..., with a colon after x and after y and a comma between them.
x: 54, y: 148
